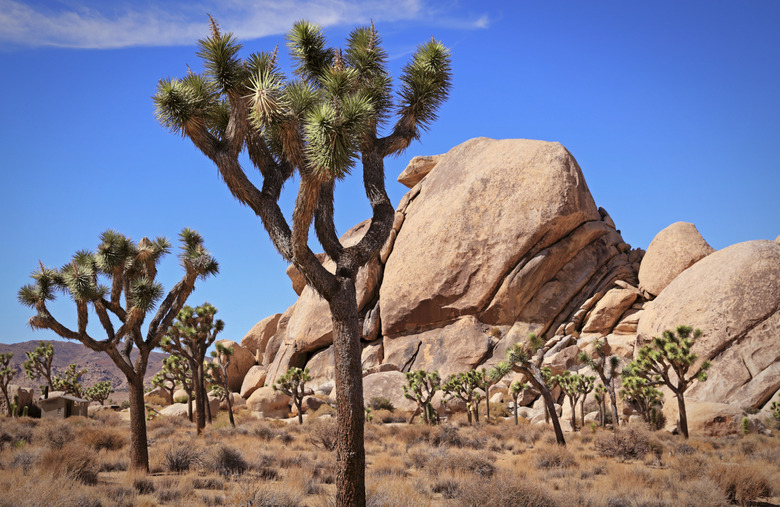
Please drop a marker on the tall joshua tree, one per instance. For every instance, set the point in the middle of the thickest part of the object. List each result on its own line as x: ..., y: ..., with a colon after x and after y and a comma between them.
x: 190, y: 337
x: 38, y: 363
x: 527, y: 358
x: 129, y: 269
x: 222, y: 357
x: 69, y: 381
x: 317, y: 124
x: 422, y: 386
x: 667, y: 361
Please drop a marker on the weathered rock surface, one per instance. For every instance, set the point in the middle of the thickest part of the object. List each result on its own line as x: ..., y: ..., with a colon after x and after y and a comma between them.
x: 609, y: 309
x: 240, y: 363
x: 672, y: 251
x: 418, y: 168
x: 175, y: 410
x: 253, y: 380
x: 161, y: 393
x: 733, y: 296
x: 269, y: 403
x: 704, y: 418
x: 388, y: 384
x: 257, y: 338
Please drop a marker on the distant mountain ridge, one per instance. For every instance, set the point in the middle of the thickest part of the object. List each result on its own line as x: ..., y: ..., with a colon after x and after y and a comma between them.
x: 99, y: 366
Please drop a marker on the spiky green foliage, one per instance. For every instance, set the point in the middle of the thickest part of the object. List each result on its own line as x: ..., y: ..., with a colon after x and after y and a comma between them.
x: 607, y: 368
x: 38, y: 363
x: 99, y: 391
x: 600, y: 396
x: 420, y: 388
x: 7, y: 374
x: 426, y: 81
x: 293, y: 384
x: 517, y: 388
x: 69, y: 381
x: 492, y: 377
x: 466, y: 386
x: 640, y: 392
x: 667, y: 360
x: 570, y: 385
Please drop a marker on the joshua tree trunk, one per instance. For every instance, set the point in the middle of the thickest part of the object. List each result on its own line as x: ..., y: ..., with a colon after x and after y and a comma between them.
x: 582, y: 412
x: 7, y: 402
x: 516, y: 400
x: 537, y: 381
x: 139, y: 453
x: 197, y: 386
x: 683, y: 415
x: 351, y: 458
x: 613, y: 404
x: 487, y: 404
x: 299, y: 406
x: 189, y: 407
x: 573, y: 406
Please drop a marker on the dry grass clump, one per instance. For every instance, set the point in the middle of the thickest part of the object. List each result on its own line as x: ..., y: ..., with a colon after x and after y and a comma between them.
x: 323, y: 433
x: 72, y: 461
x: 180, y: 457
x: 225, y: 461
x: 110, y: 439
x: 627, y: 444
x: 741, y: 483
x: 504, y: 490
x: 548, y: 456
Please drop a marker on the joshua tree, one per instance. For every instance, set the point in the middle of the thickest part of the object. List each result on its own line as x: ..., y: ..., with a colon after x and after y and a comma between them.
x: 586, y: 386
x: 130, y: 268
x: 293, y: 384
x: 317, y: 125
x: 422, y: 385
x: 99, y: 391
x: 516, y: 389
x: 601, y: 399
x: 492, y: 377
x: 640, y: 392
x: 176, y: 371
x: 222, y: 355
x: 527, y: 358
x: 667, y: 361
x: 465, y: 386
x: 606, y: 367
x: 190, y: 337
x: 570, y: 385
x: 69, y: 381
x: 38, y: 363
x: 7, y: 374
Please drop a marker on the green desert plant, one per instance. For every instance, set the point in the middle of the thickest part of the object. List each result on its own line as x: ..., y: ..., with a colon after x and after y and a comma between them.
x: 7, y: 374
x: 190, y: 336
x: 420, y: 388
x: 99, y: 391
x: 466, y: 386
x: 222, y: 356
x: 606, y: 366
x: 175, y: 372
x: 492, y: 377
x: 293, y: 384
x: 667, y: 361
x: 517, y: 388
x: 316, y: 125
x: 640, y: 392
x: 69, y: 381
x: 129, y: 269
x: 38, y: 363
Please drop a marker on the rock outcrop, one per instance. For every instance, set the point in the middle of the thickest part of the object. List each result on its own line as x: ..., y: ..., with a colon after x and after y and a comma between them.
x: 672, y: 251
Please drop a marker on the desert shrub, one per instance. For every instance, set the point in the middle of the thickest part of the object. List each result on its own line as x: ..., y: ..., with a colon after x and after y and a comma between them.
x: 211, y: 483
x: 181, y: 399
x: 99, y: 438
x: 323, y: 434
x: 227, y: 461
x: 108, y: 418
x: 553, y: 456
x: 445, y: 435
x: 143, y: 485
x: 499, y: 410
x: 180, y: 458
x: 25, y: 460
x: 120, y: 495
x: 447, y: 486
x: 381, y: 403
x: 264, y: 432
x: 158, y: 401
x: 626, y: 444
x: 741, y: 483
x: 395, y: 492
x: 689, y: 466
x: 266, y: 494
x: 386, y: 416
x: 323, y: 410
x: 71, y: 461
x: 54, y: 436
x: 504, y: 490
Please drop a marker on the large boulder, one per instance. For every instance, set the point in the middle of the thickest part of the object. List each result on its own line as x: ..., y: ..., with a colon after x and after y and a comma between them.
x: 257, y: 338
x: 240, y: 363
x: 609, y: 309
x: 704, y: 418
x: 390, y: 385
x: 733, y: 296
x: 504, y: 200
x: 175, y: 410
x: 269, y: 402
x: 253, y: 380
x: 672, y: 251
x: 161, y: 393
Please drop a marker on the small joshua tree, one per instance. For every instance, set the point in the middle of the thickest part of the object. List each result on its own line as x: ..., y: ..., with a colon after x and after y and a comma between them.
x: 640, y: 392
x: 69, y: 381
x: 293, y: 384
x: 492, y: 377
x: 38, y: 363
x: 99, y: 391
x: 129, y: 293
x: 7, y: 374
x: 422, y: 385
x: 606, y: 366
x: 516, y: 389
x: 527, y: 358
x: 585, y: 386
x: 667, y: 361
x: 775, y: 408
x: 466, y: 386
x: 176, y: 371
x: 601, y: 398
x: 570, y: 385
x: 222, y: 355
x: 193, y: 332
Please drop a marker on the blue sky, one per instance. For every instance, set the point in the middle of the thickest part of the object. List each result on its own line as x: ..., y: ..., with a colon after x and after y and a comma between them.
x: 671, y: 108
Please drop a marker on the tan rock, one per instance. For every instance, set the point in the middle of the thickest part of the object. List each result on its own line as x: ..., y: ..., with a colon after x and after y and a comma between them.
x: 672, y: 251
x: 609, y: 309
x: 562, y: 360
x: 253, y: 380
x: 175, y: 410
x: 257, y: 338
x: 372, y: 355
x: 704, y: 418
x: 371, y: 324
x: 390, y: 385
x: 418, y: 168
x: 454, y: 348
x: 628, y: 323
x: 269, y: 403
x: 732, y: 295
x: 493, y: 218
x: 321, y: 368
x: 161, y: 393
x: 240, y: 363
x: 276, y: 341
x: 179, y: 394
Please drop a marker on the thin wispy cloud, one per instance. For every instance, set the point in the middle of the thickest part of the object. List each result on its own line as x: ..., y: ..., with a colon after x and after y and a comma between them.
x: 105, y: 25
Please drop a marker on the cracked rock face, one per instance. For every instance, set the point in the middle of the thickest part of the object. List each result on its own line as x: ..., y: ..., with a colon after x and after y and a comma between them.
x: 733, y: 296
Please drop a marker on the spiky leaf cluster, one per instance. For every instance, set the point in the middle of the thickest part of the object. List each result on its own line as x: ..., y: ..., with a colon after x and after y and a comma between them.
x: 39, y: 361
x: 175, y: 370
x: 194, y: 331
x: 466, y: 386
x: 69, y: 381
x: 293, y: 382
x: 99, y: 391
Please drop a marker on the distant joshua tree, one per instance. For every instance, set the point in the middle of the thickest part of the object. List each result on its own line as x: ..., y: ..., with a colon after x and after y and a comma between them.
x: 606, y: 366
x: 293, y: 384
x: 315, y: 125
x: 7, y: 374
x: 667, y: 361
x: 99, y: 391
x: 69, y: 381
x: 222, y: 356
x: 175, y: 372
x: 129, y: 269
x: 516, y: 389
x: 420, y: 388
x: 190, y: 336
x: 38, y: 363
x: 492, y: 377
x: 466, y: 386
